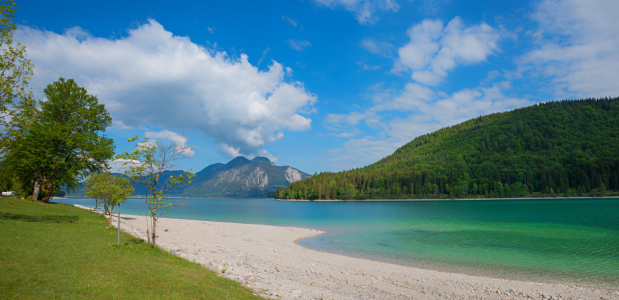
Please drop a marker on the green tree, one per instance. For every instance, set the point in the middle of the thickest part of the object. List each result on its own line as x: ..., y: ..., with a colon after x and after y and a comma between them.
x: 94, y: 188
x: 109, y: 190
x: 15, y: 69
x: 121, y: 190
x: 65, y: 143
x: 145, y: 165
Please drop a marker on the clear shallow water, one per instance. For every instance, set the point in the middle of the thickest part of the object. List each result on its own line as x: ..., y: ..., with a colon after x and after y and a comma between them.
x: 565, y: 241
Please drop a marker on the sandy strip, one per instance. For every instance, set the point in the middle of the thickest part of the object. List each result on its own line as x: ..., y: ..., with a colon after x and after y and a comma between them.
x: 267, y: 260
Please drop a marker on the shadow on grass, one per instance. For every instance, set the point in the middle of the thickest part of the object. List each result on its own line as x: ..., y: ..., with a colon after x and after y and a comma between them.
x: 41, y: 218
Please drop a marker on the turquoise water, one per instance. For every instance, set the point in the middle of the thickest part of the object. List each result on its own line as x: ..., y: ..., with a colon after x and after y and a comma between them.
x: 565, y: 241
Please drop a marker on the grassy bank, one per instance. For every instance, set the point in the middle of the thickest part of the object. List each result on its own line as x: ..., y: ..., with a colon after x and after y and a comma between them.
x: 58, y: 251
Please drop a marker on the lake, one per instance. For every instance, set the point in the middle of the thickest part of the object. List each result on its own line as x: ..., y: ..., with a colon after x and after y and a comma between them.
x: 573, y: 241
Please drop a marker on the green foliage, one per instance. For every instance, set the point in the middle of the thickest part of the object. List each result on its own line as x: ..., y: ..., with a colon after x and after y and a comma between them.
x: 565, y: 148
x: 64, y: 143
x: 15, y: 70
x: 146, y: 163
x: 107, y: 189
x: 55, y: 251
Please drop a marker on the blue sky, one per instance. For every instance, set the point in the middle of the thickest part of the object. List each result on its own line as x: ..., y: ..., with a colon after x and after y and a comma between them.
x: 321, y: 85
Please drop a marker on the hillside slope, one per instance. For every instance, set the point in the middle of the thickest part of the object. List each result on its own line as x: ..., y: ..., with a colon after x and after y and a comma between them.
x: 556, y: 148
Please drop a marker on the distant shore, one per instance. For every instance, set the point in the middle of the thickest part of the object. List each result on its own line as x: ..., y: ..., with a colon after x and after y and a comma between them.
x: 444, y: 199
x: 268, y: 260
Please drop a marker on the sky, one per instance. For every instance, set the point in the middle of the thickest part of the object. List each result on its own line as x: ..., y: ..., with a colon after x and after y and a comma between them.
x: 320, y: 85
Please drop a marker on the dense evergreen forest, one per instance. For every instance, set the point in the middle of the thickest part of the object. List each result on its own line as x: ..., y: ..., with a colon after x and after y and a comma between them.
x: 565, y: 148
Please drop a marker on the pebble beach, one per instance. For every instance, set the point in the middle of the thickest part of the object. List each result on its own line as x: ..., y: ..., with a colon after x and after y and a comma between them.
x: 267, y: 260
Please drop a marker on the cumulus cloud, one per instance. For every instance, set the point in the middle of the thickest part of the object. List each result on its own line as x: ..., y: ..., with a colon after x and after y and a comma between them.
x: 152, y: 77
x: 435, y: 48
x: 298, y: 45
x: 118, y: 124
x: 178, y: 139
x: 278, y: 136
x: 576, y: 47
x: 121, y: 165
x: 364, y: 9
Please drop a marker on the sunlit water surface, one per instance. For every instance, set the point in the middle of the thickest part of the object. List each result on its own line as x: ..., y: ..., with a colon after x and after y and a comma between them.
x: 564, y: 241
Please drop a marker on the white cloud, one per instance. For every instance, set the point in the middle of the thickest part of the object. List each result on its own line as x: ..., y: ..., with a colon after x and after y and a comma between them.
x: 398, y: 116
x: 412, y: 98
x: 230, y: 151
x: 345, y: 135
x: 369, y: 67
x: 298, y: 45
x: 352, y: 118
x: 264, y: 54
x: 152, y: 77
x: 385, y: 49
x: 577, y: 44
x: 178, y: 139
x: 117, y: 165
x: 278, y: 136
x: 119, y: 125
x: 291, y: 21
x: 425, y: 111
x: 364, y: 9
x: 435, y: 49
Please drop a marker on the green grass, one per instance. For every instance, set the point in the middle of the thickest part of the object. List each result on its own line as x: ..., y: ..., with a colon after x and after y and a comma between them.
x: 62, y: 252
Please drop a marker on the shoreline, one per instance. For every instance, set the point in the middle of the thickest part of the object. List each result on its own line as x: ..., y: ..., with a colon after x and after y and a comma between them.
x: 445, y: 199
x: 268, y: 260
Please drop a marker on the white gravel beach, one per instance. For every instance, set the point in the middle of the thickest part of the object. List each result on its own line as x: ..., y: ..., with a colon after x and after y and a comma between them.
x: 267, y: 260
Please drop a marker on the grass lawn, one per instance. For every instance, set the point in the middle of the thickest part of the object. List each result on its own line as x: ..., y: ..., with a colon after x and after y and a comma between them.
x: 59, y: 251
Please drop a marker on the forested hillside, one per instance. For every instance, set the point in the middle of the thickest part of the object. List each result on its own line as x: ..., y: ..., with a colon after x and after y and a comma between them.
x: 561, y: 148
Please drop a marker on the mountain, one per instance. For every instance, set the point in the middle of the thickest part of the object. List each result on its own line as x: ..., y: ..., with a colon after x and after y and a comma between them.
x: 138, y: 188
x: 208, y: 170
x: 566, y: 148
x: 241, y: 177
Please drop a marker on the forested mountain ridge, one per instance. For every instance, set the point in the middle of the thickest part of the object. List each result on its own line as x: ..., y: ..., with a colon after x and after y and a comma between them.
x: 569, y: 147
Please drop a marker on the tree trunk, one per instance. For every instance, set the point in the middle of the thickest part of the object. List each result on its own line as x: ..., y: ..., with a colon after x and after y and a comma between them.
x: 48, y: 191
x: 111, y: 208
x: 154, y: 218
x: 37, y: 186
x: 153, y: 230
